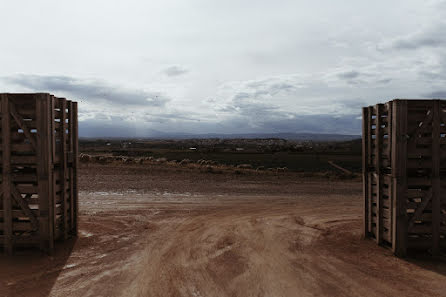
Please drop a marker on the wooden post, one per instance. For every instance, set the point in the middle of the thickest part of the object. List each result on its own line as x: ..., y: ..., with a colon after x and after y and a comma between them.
x: 399, y: 176
x: 75, y: 193
x: 63, y: 165
x: 6, y: 176
x: 389, y: 154
x: 436, y: 202
x: 370, y: 174
x: 44, y: 172
x: 365, y: 169
x: 52, y: 177
x: 378, y: 153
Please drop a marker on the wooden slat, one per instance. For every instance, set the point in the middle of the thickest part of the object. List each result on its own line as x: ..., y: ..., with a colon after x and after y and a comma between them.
x: 369, y: 137
x: 22, y: 125
x: 74, y: 182
x: 19, y: 214
x: 436, y: 202
x: 420, y: 208
x: 370, y: 199
x: 365, y: 153
x: 27, y: 189
x: 44, y: 173
x: 415, y: 193
x: 419, y: 163
x: 19, y: 226
x: 385, y: 212
x: 421, y: 229
x: 419, y: 181
x: 378, y: 170
x: 6, y: 226
x: 22, y: 147
x: 423, y: 243
x: 399, y: 171
x: 63, y: 167
x: 24, y: 178
x: 21, y: 160
x: 25, y: 208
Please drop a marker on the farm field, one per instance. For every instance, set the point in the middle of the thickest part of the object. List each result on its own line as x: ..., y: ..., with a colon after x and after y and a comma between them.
x: 157, y: 230
x: 296, y: 156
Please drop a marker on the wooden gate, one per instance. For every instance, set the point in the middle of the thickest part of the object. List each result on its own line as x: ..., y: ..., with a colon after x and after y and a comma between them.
x: 39, y: 170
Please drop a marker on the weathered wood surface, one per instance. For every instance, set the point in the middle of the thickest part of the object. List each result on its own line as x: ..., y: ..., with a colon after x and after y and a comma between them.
x: 404, y: 160
x: 38, y: 171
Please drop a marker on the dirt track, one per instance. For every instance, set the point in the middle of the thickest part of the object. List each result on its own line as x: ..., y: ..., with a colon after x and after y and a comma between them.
x: 175, y: 232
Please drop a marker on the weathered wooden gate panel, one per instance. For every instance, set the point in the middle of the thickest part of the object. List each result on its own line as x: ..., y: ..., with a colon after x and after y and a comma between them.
x: 39, y: 163
x: 404, y: 154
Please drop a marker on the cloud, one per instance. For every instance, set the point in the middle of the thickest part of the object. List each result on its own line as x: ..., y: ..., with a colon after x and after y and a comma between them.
x: 175, y: 71
x: 436, y: 95
x: 349, y: 74
x: 429, y: 37
x: 118, y: 127
x: 323, y: 123
x: 89, y: 90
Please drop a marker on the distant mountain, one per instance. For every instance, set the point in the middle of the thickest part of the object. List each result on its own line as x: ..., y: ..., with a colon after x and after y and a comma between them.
x: 288, y: 136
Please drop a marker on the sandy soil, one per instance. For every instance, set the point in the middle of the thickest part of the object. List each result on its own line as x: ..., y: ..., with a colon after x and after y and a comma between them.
x: 167, y: 231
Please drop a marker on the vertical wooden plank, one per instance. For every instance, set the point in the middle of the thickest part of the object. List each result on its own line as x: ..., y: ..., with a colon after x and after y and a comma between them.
x: 44, y: 172
x: 70, y: 168
x: 389, y: 143
x: 369, y: 164
x: 75, y: 165
x: 369, y: 136
x: 436, y: 202
x: 378, y: 155
x: 52, y: 180
x: 6, y: 175
x: 365, y: 169
x: 52, y: 152
x: 399, y: 177
x: 63, y: 165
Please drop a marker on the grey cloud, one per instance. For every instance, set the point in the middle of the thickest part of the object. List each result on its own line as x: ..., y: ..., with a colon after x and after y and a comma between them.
x: 88, y: 90
x: 431, y: 37
x: 437, y: 95
x: 418, y: 42
x: 384, y: 81
x: 268, y: 87
x: 349, y: 74
x: 355, y: 104
x: 167, y: 117
x: 175, y: 71
x: 243, y: 104
x: 259, y: 116
x: 348, y: 124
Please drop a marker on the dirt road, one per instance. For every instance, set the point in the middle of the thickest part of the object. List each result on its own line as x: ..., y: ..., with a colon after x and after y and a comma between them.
x: 176, y: 232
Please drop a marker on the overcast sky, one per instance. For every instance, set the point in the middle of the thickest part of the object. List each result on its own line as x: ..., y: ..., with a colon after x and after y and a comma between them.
x: 208, y: 66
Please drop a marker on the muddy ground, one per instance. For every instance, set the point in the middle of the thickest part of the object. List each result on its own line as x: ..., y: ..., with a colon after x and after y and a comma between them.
x: 169, y: 231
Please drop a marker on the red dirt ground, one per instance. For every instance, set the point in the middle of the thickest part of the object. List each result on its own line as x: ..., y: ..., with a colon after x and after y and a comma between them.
x: 169, y: 231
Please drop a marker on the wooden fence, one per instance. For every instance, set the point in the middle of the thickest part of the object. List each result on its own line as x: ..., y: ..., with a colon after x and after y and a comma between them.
x: 404, y: 162
x: 39, y: 147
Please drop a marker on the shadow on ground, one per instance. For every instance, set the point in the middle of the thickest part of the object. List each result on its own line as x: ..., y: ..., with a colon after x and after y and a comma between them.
x: 31, y: 272
x: 428, y: 262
